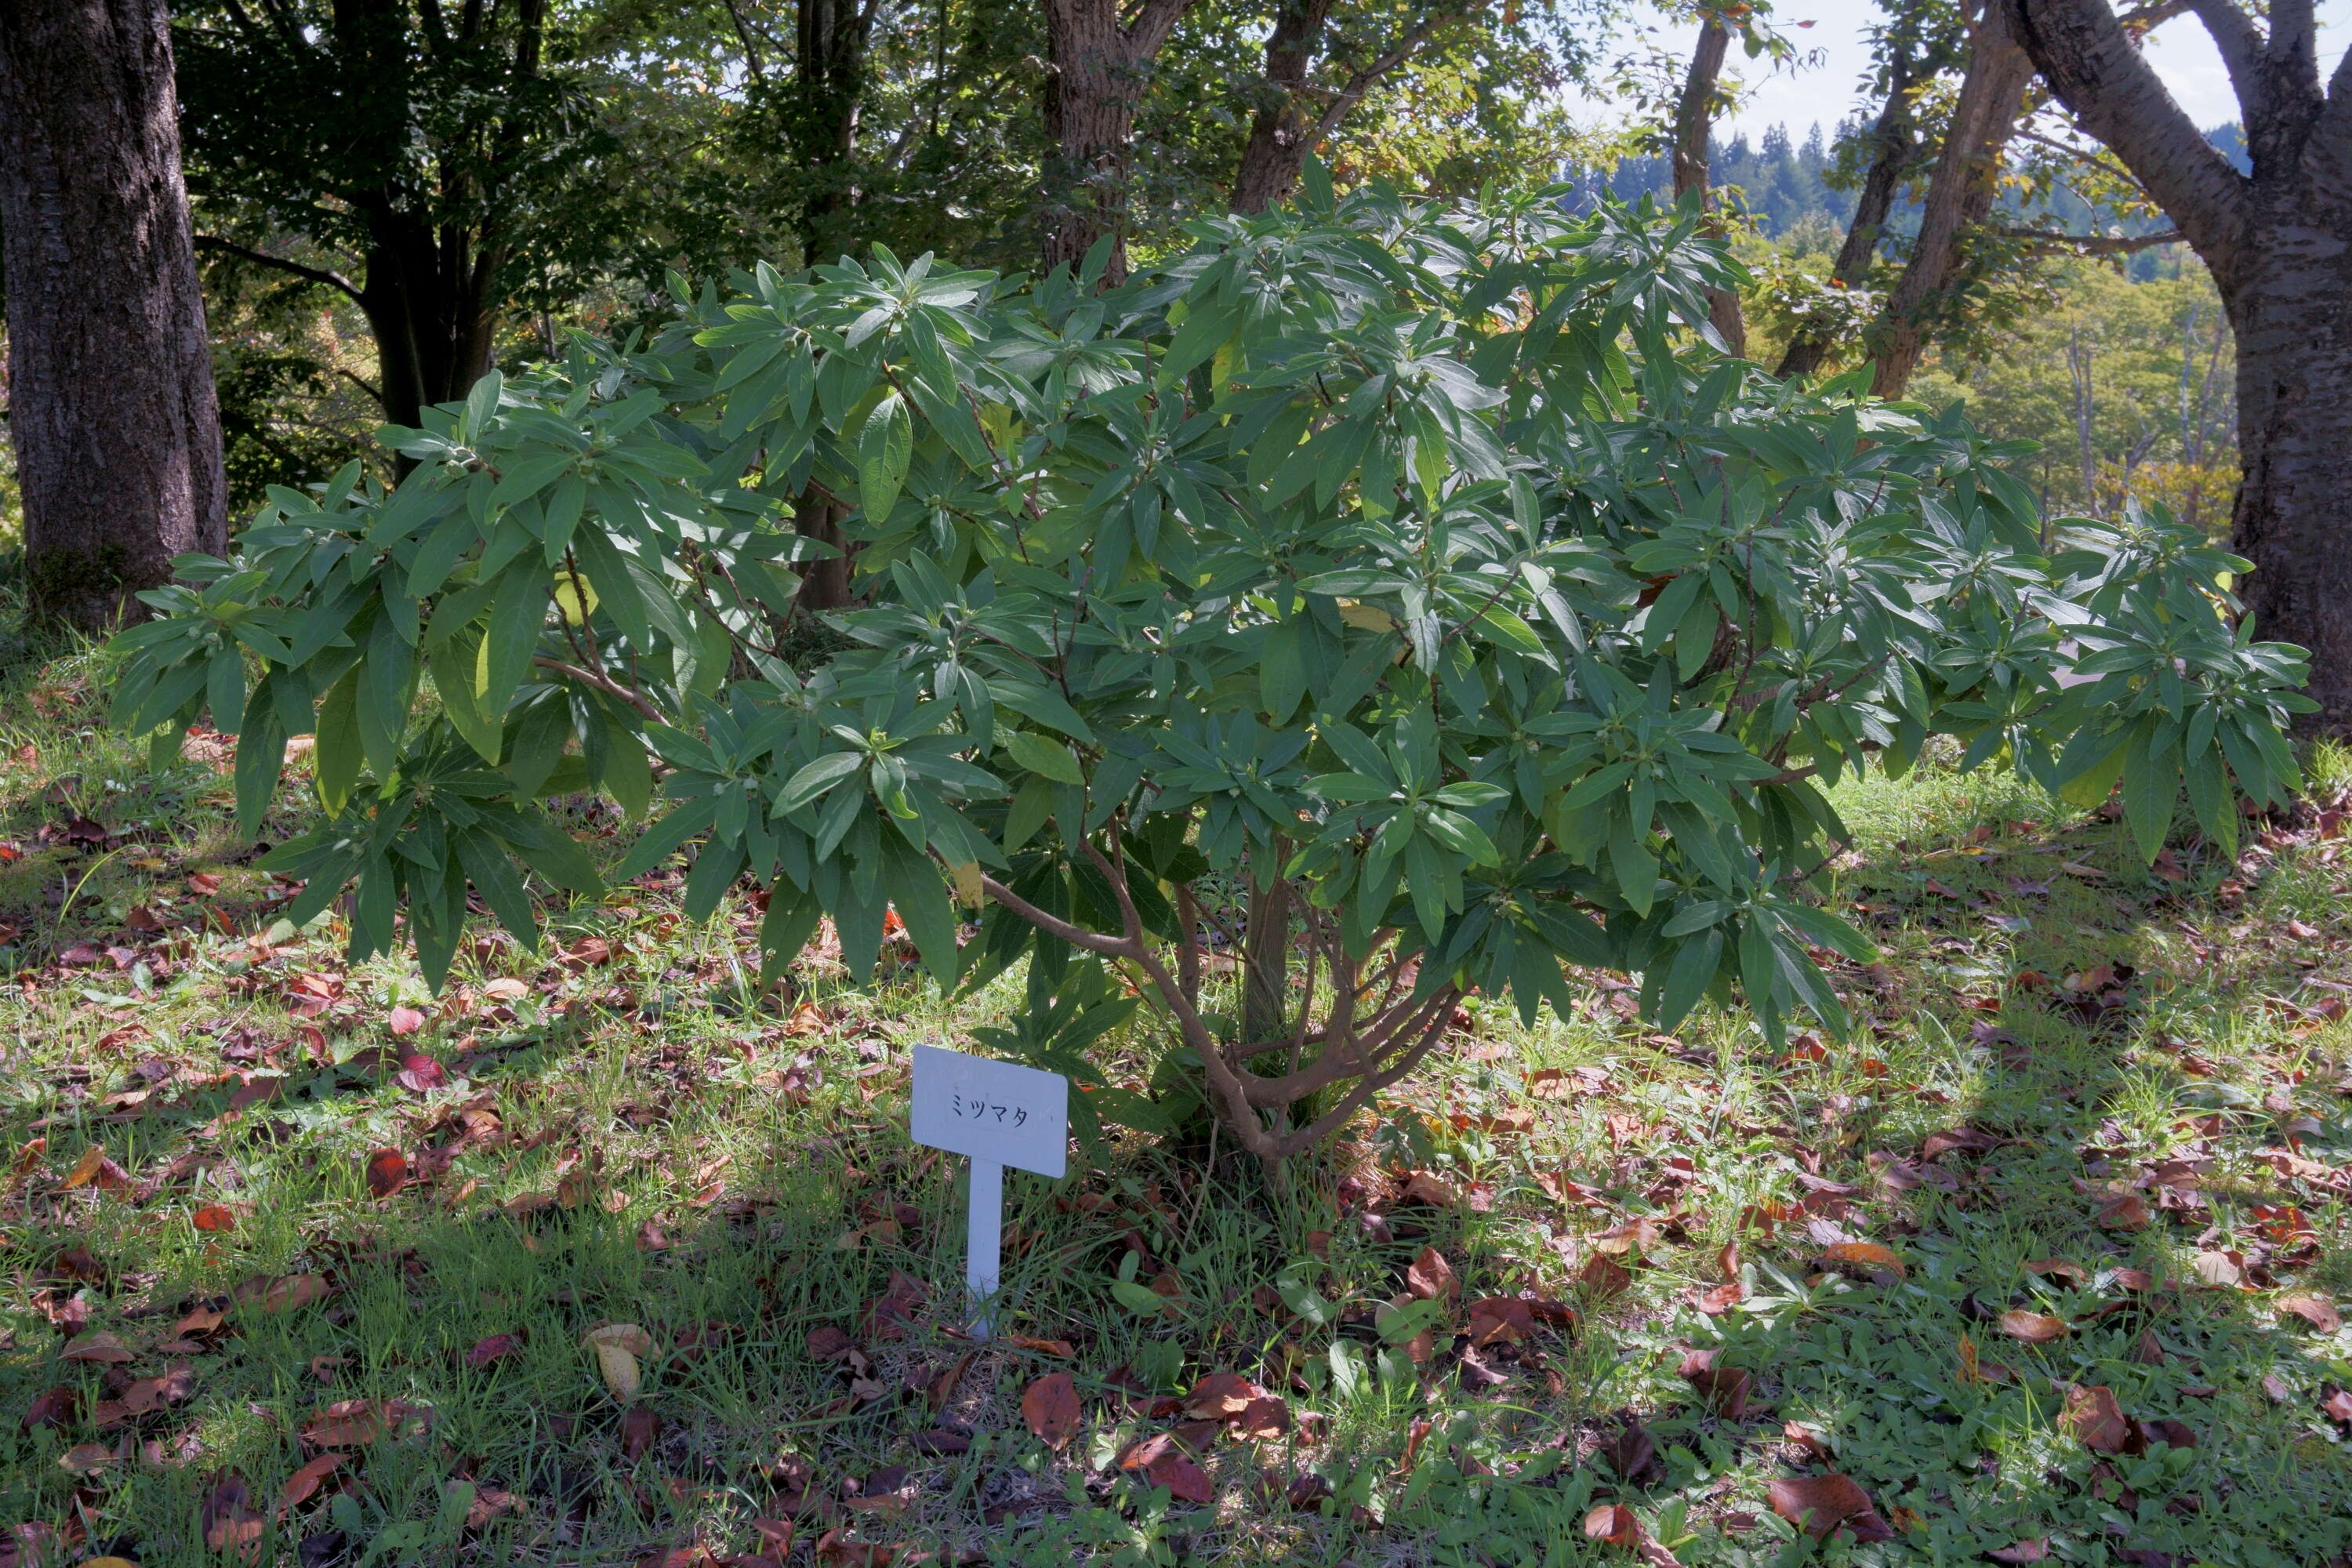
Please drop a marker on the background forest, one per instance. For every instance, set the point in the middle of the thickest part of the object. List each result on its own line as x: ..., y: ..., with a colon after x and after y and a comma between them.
x: 565, y: 161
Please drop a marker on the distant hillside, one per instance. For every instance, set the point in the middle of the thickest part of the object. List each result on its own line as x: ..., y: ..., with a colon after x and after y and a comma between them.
x: 1785, y: 184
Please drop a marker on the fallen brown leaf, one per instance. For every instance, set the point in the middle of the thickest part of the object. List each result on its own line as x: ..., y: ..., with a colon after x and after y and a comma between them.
x: 1819, y: 1504
x: 1051, y: 1410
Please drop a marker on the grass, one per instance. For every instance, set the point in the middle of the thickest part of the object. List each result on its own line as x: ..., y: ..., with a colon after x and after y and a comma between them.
x: 615, y: 1132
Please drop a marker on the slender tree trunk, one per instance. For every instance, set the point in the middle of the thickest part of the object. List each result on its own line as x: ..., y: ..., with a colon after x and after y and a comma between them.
x: 831, y: 42
x: 1959, y: 195
x: 825, y: 584
x: 2278, y: 242
x: 1895, y: 142
x: 1281, y: 134
x: 112, y: 402
x: 1694, y: 123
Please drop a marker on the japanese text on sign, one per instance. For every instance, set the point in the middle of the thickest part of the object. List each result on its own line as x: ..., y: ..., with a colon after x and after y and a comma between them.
x: 990, y: 1109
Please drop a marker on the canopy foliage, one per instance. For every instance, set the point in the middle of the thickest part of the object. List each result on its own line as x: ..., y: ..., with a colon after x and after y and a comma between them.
x: 1428, y: 558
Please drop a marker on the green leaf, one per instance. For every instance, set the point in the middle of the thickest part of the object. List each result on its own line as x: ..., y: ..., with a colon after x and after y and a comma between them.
x: 886, y: 444
x: 338, y: 757
x: 1050, y: 759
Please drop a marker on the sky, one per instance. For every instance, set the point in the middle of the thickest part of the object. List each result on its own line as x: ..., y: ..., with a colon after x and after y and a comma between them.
x: 1825, y: 93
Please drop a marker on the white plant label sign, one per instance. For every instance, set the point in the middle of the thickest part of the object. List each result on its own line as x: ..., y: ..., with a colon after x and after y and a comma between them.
x: 996, y: 1114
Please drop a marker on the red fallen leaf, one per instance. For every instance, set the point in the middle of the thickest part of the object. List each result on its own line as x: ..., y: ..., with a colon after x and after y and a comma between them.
x: 285, y: 1293
x: 52, y: 1407
x: 420, y: 1074
x: 355, y: 1423
x: 2316, y: 1311
x: 837, y: 1549
x: 1185, y: 1480
x: 1819, y: 1504
x: 496, y: 1348
x: 1430, y: 1278
x: 387, y: 1172
x: 1060, y: 1350
x: 144, y: 1396
x: 1614, y: 1524
x: 1430, y: 1188
x: 1863, y: 1254
x: 227, y: 1518
x: 1725, y: 1389
x: 1501, y: 1320
x: 97, y: 1345
x: 775, y: 1537
x: 1261, y: 1419
x: 1220, y: 1396
x: 2124, y: 1211
x: 1603, y: 1277
x: 2075, y: 1274
x: 889, y: 1315
x: 213, y: 1217
x: 2032, y: 1328
x: 2094, y: 1419
x: 404, y: 1021
x: 1051, y: 1410
x: 1810, y: 1441
x: 640, y: 1430
x: 827, y: 1343
x: 94, y: 1168
x: 2033, y: 1549
x: 1632, y: 1452
x: 2337, y: 1406
x: 303, y: 1482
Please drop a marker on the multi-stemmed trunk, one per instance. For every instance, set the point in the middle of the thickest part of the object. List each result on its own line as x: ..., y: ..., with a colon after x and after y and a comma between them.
x: 112, y: 402
x: 1960, y: 197
x: 1308, y: 91
x: 1893, y: 152
x: 2278, y: 242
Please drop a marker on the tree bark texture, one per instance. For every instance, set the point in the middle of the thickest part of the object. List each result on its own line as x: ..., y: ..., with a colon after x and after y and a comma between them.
x: 1281, y: 133
x: 1093, y: 86
x: 1959, y: 195
x: 1303, y: 69
x: 1895, y: 146
x: 2279, y: 245
x: 831, y: 44
x: 112, y: 402
x: 1693, y: 122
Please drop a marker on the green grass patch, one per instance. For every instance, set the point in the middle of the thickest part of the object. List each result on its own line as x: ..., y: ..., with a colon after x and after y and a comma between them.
x: 2090, y: 1136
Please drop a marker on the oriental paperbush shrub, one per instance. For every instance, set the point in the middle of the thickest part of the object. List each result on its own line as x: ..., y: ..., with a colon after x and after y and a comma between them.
x: 1425, y: 560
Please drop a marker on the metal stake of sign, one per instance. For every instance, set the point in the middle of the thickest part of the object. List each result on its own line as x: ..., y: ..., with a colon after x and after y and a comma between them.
x: 983, y: 1239
x: 996, y: 1114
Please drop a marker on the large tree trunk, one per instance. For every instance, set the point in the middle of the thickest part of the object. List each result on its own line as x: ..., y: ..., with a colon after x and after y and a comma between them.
x: 1694, y: 123
x: 1959, y: 195
x: 1895, y: 143
x: 2279, y: 245
x: 112, y: 412
x: 1093, y: 86
x: 1280, y: 132
x: 2293, y: 518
